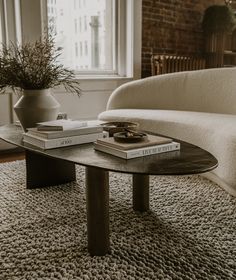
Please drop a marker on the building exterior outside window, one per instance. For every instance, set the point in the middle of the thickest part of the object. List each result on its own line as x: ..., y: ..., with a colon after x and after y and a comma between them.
x: 81, y: 20
x: 76, y: 49
x: 80, y: 24
x: 81, y: 50
x: 86, y: 49
x: 85, y: 23
x: 76, y: 26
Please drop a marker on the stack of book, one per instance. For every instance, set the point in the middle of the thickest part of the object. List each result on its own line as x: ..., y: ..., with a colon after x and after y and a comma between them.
x: 61, y: 133
x: 152, y: 145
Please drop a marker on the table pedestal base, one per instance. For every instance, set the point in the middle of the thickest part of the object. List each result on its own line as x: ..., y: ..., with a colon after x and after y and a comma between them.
x: 45, y: 171
x: 42, y: 171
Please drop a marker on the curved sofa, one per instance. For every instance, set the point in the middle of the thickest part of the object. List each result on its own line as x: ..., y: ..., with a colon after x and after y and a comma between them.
x: 195, y: 106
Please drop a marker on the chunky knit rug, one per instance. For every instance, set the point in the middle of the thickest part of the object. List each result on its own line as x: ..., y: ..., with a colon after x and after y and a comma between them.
x: 190, y: 232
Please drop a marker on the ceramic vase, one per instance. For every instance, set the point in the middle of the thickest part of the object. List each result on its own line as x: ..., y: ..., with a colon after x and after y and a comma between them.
x: 36, y: 106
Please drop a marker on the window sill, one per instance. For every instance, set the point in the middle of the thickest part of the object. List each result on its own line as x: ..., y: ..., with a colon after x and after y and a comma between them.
x: 102, y: 83
x: 102, y: 78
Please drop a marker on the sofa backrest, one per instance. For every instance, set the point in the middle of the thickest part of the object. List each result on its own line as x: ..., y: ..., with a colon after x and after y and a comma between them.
x: 209, y: 90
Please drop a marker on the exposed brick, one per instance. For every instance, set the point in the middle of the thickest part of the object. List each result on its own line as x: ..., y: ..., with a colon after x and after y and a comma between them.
x: 172, y: 26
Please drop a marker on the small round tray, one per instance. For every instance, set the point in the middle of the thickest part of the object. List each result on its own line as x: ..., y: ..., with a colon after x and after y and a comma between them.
x: 130, y: 137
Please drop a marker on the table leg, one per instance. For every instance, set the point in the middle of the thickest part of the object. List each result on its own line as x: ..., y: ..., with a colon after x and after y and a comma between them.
x: 97, y: 195
x: 42, y: 171
x: 140, y: 192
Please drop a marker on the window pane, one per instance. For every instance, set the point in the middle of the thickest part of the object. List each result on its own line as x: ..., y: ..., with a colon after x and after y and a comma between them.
x: 1, y: 26
x: 84, y: 29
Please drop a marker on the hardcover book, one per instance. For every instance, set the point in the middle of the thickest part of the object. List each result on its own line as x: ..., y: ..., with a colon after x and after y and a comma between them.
x: 65, y: 133
x: 150, y: 141
x: 140, y: 152
x: 62, y: 142
x: 60, y: 125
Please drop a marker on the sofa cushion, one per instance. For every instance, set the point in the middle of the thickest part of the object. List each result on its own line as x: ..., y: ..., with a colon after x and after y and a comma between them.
x: 213, y: 132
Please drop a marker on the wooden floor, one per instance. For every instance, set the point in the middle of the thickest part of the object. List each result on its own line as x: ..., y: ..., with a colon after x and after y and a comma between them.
x: 11, y: 156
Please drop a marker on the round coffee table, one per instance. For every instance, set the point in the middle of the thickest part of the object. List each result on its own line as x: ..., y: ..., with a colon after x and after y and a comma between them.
x: 57, y: 166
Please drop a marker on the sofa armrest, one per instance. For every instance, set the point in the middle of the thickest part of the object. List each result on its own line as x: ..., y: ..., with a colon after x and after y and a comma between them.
x: 157, y: 92
x: 186, y: 91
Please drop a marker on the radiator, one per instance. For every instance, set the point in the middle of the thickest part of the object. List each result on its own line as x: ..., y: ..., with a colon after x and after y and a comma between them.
x: 162, y: 63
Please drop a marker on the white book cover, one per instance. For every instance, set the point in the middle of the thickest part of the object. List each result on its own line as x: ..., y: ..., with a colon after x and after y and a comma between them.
x: 134, y: 153
x: 64, y: 133
x: 93, y: 126
x: 62, y: 142
x: 61, y: 125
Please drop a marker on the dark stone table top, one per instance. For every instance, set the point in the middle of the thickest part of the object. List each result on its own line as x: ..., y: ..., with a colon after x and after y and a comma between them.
x: 189, y: 160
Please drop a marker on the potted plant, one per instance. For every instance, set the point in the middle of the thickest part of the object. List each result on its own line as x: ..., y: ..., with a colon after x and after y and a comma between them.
x: 218, y: 21
x: 32, y: 69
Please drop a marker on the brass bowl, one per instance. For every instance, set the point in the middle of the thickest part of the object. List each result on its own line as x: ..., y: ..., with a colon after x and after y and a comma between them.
x: 115, y: 127
x: 130, y: 137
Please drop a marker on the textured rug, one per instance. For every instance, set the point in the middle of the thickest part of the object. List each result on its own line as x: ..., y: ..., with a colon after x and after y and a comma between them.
x: 189, y: 233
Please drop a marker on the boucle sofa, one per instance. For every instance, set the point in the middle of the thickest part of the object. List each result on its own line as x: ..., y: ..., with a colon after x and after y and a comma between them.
x: 195, y: 106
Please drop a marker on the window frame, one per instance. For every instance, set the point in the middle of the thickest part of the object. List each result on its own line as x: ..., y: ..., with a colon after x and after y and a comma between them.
x: 11, y: 32
x: 2, y: 23
x: 124, y: 36
x: 24, y: 26
x: 30, y: 27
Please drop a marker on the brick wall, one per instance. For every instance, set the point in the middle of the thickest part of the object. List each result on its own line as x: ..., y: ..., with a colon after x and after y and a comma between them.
x: 172, y: 26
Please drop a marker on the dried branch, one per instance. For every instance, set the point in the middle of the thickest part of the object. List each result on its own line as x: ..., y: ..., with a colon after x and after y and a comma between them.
x: 34, y: 66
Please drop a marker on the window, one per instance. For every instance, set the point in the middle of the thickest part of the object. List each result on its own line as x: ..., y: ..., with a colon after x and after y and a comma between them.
x: 76, y: 49
x: 85, y: 23
x: 27, y: 21
x: 76, y: 26
x: 1, y: 26
x: 86, y: 49
x: 109, y: 40
x: 81, y: 48
x: 99, y: 34
x: 80, y: 25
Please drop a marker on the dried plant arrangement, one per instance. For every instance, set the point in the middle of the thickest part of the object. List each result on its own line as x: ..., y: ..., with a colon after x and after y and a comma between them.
x: 34, y: 66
